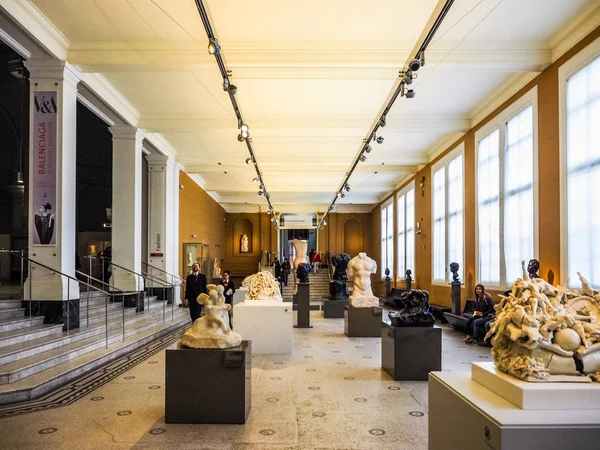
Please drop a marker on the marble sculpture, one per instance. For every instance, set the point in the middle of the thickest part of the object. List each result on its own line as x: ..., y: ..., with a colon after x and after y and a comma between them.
x: 300, y: 255
x: 262, y: 286
x: 361, y: 267
x: 212, y: 330
x: 244, y: 244
x: 541, y: 330
x: 216, y: 269
x: 413, y: 310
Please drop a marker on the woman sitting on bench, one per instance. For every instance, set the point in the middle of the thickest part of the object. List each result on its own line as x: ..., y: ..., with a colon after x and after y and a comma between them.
x: 483, y: 311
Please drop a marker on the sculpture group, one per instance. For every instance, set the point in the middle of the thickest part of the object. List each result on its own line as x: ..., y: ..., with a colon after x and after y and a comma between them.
x: 541, y: 330
x: 262, y: 286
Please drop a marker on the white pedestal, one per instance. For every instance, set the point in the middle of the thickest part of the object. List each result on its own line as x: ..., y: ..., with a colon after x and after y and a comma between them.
x: 464, y: 415
x: 537, y: 395
x: 239, y: 296
x: 267, y: 323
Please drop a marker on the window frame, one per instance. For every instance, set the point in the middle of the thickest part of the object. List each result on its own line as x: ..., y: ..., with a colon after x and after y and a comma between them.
x: 400, y: 193
x: 499, y: 122
x: 388, y: 203
x: 565, y: 71
x: 444, y: 162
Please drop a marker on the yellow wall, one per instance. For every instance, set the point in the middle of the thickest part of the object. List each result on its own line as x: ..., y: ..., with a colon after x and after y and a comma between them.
x: 199, y: 214
x: 548, y: 181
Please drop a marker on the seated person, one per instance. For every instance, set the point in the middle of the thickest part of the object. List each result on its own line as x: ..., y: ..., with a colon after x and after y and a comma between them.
x: 483, y: 308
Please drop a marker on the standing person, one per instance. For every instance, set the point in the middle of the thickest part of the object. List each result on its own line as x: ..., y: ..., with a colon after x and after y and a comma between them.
x: 195, y: 284
x: 484, y: 307
x: 278, y: 274
x: 228, y: 291
x: 316, y: 261
x: 285, y: 270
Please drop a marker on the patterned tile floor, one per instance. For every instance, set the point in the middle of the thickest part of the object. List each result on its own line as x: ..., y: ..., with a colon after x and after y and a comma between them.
x: 329, y: 394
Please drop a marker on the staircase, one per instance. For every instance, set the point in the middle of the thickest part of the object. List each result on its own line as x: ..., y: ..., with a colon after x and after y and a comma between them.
x: 319, y: 286
x: 36, y: 358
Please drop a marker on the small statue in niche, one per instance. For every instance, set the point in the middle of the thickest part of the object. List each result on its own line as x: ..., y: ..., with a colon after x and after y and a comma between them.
x: 413, y: 310
x: 533, y: 267
x: 454, y: 269
x: 244, y: 244
x: 302, y: 272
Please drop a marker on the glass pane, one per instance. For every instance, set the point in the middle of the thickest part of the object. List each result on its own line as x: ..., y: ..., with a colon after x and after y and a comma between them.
x: 455, y: 213
x: 439, y: 225
x: 401, y: 268
x: 410, y: 232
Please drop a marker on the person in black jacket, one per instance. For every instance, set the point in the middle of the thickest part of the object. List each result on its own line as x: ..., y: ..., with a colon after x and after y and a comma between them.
x: 228, y: 291
x: 285, y: 270
x: 483, y: 311
x: 195, y: 284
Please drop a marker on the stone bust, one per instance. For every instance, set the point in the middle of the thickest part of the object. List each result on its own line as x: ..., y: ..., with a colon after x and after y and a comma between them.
x: 533, y: 268
x: 454, y: 269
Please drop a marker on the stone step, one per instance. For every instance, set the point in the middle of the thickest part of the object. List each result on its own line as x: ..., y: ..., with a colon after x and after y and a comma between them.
x: 28, y: 348
x: 10, y: 313
x: 37, y: 362
x: 47, y: 380
x: 21, y: 335
x: 10, y: 304
x: 15, y: 323
x: 99, y: 316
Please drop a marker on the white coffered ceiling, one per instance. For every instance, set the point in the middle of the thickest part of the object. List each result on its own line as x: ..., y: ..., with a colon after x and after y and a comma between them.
x: 311, y: 78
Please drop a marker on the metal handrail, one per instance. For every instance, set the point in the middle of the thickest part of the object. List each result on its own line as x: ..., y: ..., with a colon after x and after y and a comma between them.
x: 163, y: 271
x: 106, y: 294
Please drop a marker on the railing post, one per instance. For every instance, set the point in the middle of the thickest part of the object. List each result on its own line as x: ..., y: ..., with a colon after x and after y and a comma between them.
x: 68, y: 306
x: 30, y: 273
x: 22, y: 276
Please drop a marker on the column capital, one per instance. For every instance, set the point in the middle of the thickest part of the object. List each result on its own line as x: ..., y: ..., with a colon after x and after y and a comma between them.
x: 52, y: 69
x: 162, y: 161
x: 125, y: 132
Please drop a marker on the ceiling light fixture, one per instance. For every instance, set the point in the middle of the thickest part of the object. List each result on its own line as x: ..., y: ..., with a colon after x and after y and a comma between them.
x: 255, y: 180
x: 232, y: 89
x: 213, y: 46
x: 414, y: 65
x: 379, y: 139
x: 382, y: 121
x: 410, y: 93
x: 242, y: 139
x: 347, y: 187
x: 362, y: 157
x: 249, y: 160
x: 368, y: 149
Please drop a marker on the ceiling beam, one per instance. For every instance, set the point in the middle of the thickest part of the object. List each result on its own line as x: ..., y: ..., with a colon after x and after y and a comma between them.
x: 277, y: 168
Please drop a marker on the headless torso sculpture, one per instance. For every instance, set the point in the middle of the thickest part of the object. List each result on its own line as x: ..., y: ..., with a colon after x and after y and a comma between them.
x: 301, y: 257
x: 360, y: 268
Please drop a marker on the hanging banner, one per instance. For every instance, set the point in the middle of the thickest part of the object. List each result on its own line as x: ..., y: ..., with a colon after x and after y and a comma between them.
x: 43, y: 180
x: 294, y: 220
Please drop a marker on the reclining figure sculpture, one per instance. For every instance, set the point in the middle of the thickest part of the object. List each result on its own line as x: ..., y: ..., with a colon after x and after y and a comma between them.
x: 262, y: 286
x: 541, y: 330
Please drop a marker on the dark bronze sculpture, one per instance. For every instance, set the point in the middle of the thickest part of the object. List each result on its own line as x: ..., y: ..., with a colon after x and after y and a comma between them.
x: 302, y: 272
x: 413, y: 310
x: 533, y: 268
x: 454, y: 269
x: 408, y: 279
x: 337, y: 287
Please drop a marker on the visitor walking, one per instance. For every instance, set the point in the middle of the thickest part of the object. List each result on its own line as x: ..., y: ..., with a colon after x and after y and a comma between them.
x: 195, y: 284
x: 285, y: 270
x: 316, y: 261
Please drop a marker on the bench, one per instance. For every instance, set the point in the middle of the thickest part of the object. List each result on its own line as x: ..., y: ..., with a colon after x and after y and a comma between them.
x: 438, y: 311
x: 459, y: 322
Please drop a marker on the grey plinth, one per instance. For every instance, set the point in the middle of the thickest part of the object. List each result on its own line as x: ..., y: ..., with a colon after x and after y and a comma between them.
x: 362, y: 322
x: 334, y: 309
x: 208, y: 385
x: 410, y: 353
x: 303, y: 303
x: 464, y: 415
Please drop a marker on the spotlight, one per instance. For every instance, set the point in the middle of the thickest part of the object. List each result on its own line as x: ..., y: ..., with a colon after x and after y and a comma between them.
x: 260, y: 192
x: 213, y: 46
x: 382, y: 121
x: 232, y: 89
x: 244, y: 134
x: 338, y: 194
x: 379, y: 139
x: 347, y: 187
x: 343, y: 195
x: 362, y: 157
x: 225, y: 85
x: 408, y: 77
x: 242, y: 139
x: 324, y: 222
x: 368, y: 149
x: 248, y: 160
x: 410, y: 93
x: 244, y: 128
x: 414, y: 65
x: 255, y: 180
x: 422, y: 59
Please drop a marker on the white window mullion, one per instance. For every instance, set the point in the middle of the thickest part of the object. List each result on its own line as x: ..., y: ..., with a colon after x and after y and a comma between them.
x: 501, y: 160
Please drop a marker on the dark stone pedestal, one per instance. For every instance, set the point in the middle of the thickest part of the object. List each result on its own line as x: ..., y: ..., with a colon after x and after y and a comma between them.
x: 338, y: 290
x: 410, y: 353
x: 303, y: 304
x: 334, y: 309
x: 455, y: 295
x: 55, y: 311
x: 362, y: 322
x: 208, y: 385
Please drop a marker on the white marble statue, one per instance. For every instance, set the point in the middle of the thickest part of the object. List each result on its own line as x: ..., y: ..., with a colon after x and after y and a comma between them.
x: 262, y: 286
x: 212, y: 330
x: 300, y: 254
x: 190, y: 259
x: 244, y: 244
x: 216, y: 269
x: 541, y: 330
x: 361, y: 267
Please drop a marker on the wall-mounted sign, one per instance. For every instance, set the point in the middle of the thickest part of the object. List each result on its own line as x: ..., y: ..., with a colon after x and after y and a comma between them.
x: 292, y: 220
x: 43, y: 180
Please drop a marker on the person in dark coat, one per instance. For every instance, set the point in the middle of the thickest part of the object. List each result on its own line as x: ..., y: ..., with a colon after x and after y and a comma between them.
x: 483, y: 311
x: 228, y: 291
x: 195, y: 284
x: 285, y: 270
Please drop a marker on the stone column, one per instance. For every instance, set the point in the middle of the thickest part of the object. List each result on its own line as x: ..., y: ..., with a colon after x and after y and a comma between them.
x: 163, y: 221
x: 52, y: 172
x: 127, y: 208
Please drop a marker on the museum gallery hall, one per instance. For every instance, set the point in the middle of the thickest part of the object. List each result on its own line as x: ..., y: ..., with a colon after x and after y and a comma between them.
x: 281, y: 225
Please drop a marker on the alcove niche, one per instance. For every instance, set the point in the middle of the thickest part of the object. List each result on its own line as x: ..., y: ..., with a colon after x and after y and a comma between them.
x: 241, y: 227
x: 353, y: 237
